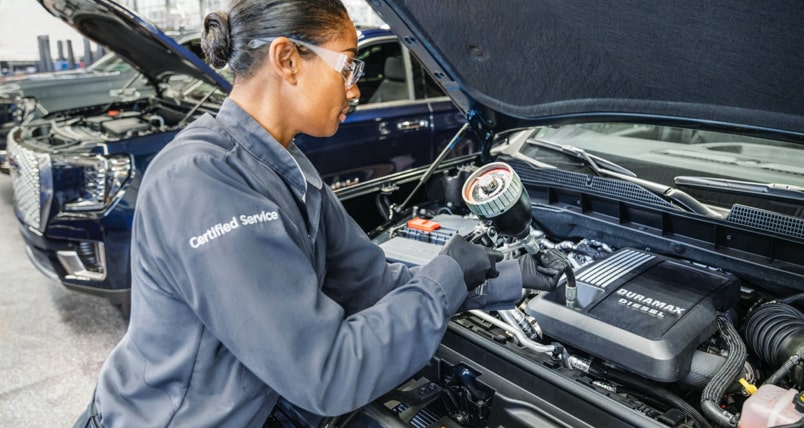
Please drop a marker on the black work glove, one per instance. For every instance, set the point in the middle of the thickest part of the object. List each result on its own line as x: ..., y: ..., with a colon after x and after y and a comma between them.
x: 542, y: 271
x: 477, y: 263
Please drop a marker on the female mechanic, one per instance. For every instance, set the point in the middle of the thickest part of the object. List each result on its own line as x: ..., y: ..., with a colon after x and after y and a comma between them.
x: 250, y: 282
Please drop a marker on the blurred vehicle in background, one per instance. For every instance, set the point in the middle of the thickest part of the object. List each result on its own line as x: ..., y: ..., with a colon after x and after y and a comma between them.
x: 59, y: 90
x: 107, y: 79
x: 14, y: 110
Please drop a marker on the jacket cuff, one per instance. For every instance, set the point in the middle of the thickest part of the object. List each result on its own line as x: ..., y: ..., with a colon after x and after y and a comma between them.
x: 447, y: 273
x: 497, y: 293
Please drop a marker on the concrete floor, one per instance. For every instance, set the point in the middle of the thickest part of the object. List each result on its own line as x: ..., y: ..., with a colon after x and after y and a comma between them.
x: 52, y: 341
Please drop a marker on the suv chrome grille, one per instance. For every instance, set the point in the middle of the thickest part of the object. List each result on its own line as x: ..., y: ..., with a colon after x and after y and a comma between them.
x: 32, y: 185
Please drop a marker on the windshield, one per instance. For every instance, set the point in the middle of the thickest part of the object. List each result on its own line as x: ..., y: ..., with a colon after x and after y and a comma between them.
x: 684, y: 159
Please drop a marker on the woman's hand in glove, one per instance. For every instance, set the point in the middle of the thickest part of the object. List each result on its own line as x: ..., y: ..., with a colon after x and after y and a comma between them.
x: 542, y: 271
x: 476, y: 262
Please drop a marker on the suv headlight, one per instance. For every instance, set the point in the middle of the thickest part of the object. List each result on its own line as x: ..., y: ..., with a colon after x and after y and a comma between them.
x: 92, y: 182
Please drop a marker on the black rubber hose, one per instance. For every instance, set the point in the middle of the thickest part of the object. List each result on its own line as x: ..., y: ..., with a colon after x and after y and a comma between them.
x: 382, y: 206
x: 712, y: 394
x: 775, y: 332
x: 783, y: 370
x: 657, y: 392
x: 797, y: 424
x: 570, y: 289
x: 793, y: 298
x: 703, y: 368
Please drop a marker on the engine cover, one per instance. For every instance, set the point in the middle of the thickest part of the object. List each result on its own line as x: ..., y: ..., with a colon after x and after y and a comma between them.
x: 641, y: 311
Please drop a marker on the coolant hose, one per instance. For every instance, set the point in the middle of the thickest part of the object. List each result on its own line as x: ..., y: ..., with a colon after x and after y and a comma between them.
x: 712, y: 394
x: 783, y: 370
x: 704, y: 366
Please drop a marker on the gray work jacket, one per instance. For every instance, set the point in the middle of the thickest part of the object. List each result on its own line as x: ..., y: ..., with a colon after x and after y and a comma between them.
x: 250, y: 281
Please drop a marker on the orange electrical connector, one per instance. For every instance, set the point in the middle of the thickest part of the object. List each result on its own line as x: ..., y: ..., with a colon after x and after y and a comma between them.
x: 423, y: 224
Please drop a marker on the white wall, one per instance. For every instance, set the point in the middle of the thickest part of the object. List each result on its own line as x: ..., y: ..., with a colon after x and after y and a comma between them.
x: 21, y: 21
x: 362, y: 13
x: 189, y: 13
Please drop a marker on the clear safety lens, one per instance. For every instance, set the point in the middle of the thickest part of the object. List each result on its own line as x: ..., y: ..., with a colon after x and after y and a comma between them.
x: 350, y: 68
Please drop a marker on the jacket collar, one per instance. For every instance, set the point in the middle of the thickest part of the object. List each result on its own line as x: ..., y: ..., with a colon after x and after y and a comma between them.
x: 290, y: 163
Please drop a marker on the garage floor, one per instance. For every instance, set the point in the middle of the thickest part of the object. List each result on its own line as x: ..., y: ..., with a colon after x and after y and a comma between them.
x: 52, y: 341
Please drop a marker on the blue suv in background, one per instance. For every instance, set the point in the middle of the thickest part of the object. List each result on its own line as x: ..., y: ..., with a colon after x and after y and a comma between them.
x: 33, y: 95
x: 76, y: 172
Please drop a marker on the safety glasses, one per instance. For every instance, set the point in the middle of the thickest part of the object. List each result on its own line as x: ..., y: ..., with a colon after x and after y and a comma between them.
x: 350, y: 68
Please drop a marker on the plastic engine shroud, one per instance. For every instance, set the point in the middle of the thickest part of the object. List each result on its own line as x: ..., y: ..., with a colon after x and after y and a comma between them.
x: 641, y: 311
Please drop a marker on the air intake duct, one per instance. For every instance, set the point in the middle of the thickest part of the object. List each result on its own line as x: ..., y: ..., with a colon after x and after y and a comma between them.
x: 775, y: 332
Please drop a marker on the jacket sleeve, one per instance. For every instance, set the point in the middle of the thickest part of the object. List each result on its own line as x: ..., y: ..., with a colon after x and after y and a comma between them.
x: 357, y: 273
x: 230, y: 257
x: 502, y: 292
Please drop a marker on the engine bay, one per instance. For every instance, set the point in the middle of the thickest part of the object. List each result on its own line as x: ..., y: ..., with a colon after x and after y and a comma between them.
x: 664, y: 319
x: 657, y: 339
x: 103, y: 124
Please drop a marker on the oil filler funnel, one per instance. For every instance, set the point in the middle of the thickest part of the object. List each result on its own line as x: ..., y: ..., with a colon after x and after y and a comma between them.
x: 494, y: 192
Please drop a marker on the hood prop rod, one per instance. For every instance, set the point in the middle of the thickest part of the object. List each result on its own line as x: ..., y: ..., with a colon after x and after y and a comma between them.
x: 195, y: 108
x: 433, y: 166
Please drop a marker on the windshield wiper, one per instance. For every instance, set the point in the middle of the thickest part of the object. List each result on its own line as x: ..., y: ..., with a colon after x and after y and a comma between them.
x: 776, y: 191
x: 603, y: 167
x: 595, y: 162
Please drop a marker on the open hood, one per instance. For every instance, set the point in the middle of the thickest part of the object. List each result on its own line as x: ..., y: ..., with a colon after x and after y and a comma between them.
x: 524, y: 62
x: 134, y: 38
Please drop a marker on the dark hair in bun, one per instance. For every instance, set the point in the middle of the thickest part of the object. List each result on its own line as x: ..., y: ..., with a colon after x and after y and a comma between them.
x: 226, y: 34
x: 215, y: 40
